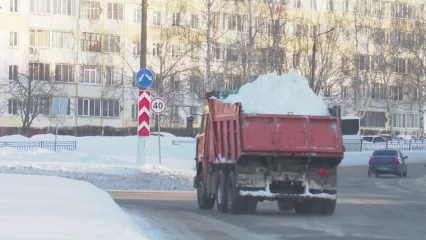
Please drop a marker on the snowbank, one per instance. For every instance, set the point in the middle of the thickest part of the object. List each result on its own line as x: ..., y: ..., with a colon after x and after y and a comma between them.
x: 43, y: 208
x: 275, y: 94
x: 105, y: 153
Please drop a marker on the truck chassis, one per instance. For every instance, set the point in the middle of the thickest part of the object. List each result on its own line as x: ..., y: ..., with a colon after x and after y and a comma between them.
x: 307, y: 187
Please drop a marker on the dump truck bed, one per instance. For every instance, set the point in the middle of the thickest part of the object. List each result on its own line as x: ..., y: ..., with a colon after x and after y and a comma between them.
x: 234, y: 134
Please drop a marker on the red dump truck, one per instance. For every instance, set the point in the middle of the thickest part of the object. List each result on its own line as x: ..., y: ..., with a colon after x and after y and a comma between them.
x: 242, y: 159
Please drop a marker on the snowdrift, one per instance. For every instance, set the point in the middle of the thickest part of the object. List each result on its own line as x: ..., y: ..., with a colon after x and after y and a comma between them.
x: 279, y: 94
x: 41, y: 207
x: 177, y: 152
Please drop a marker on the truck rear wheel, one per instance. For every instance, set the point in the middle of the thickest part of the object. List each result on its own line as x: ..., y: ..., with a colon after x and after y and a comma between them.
x: 204, y: 202
x: 235, y: 202
x: 328, y: 207
x: 250, y: 205
x: 221, y: 192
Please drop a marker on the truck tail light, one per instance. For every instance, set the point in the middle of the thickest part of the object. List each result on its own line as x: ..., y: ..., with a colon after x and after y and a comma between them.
x: 323, y: 171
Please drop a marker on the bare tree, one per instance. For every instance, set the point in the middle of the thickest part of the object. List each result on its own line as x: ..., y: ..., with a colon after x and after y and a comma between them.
x: 30, y: 93
x: 206, y: 35
x: 417, y: 84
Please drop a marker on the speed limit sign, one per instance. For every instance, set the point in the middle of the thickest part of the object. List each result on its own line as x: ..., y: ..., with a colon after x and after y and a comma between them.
x: 158, y: 105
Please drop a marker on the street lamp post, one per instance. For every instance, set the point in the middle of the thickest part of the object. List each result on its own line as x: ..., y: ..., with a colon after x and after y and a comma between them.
x: 313, y: 63
x: 142, y: 64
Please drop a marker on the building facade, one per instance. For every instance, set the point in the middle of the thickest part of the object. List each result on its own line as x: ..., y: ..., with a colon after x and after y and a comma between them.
x: 88, y: 51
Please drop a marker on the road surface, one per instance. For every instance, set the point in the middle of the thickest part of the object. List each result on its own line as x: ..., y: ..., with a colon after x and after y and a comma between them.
x: 368, y: 208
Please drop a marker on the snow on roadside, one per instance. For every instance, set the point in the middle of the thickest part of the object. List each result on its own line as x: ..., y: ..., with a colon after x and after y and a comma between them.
x: 39, y: 207
x: 143, y: 180
x: 108, y: 162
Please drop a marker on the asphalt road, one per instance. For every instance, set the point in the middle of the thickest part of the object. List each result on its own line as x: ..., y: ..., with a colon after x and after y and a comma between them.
x: 368, y: 208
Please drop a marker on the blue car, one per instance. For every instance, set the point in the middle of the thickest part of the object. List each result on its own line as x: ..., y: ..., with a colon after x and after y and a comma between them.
x: 387, y: 162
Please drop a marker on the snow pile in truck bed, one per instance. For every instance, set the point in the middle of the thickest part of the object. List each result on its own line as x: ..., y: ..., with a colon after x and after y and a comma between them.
x: 279, y: 94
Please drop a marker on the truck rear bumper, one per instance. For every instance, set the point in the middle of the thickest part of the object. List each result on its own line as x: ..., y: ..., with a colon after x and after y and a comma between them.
x: 266, y: 195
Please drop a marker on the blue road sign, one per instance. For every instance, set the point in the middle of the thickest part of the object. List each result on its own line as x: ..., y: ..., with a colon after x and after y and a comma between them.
x: 144, y: 77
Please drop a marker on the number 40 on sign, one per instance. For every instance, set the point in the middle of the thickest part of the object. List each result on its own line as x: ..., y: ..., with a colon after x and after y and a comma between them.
x: 158, y: 105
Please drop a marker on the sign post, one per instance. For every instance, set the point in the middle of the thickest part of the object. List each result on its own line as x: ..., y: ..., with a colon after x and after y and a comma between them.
x: 144, y: 79
x: 158, y: 106
x: 59, y: 107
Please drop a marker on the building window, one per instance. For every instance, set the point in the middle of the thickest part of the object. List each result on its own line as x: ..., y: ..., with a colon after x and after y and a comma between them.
x: 12, y: 108
x: 39, y: 38
x: 156, y: 18
x: 13, y: 39
x: 398, y: 120
x: 296, y: 60
x: 112, y: 44
x: 40, y: 105
x: 363, y: 62
x: 62, y: 40
x: 195, y: 52
x: 64, y: 73
x: 14, y: 5
x: 111, y: 108
x: 136, y: 48
x: 195, y: 22
x: 176, y: 19
x: 90, y: 75
x: 344, y: 92
x: 13, y: 72
x: 374, y: 119
x: 314, y: 5
x: 113, y: 76
x: 297, y: 3
x: 330, y: 5
x: 345, y: 6
x: 89, y: 9
x: 134, y: 111
x: 39, y: 71
x: 137, y: 16
x: 88, y: 107
x: 64, y: 7
x: 177, y: 51
x: 40, y: 6
x: 115, y: 11
x: 413, y: 121
x: 397, y: 93
x: 378, y: 91
x: 91, y: 42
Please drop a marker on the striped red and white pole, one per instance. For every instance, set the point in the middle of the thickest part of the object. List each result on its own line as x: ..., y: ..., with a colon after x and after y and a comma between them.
x: 144, y: 112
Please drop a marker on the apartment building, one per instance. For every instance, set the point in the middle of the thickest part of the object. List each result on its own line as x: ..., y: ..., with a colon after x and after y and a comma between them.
x: 90, y: 50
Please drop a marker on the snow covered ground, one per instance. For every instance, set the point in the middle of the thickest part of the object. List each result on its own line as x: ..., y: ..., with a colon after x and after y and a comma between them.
x: 44, y: 208
x: 110, y: 162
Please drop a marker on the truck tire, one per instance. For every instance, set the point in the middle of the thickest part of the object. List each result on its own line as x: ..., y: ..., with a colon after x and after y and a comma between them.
x: 204, y: 202
x: 250, y: 205
x: 234, y: 201
x: 221, y: 192
x: 285, y: 205
x: 328, y: 207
